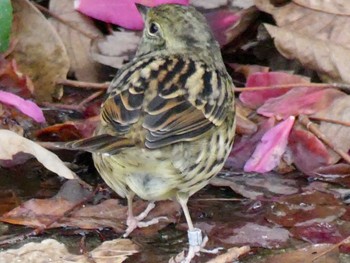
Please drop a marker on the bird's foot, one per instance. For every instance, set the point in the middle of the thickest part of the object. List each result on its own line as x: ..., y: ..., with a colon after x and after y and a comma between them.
x: 196, y: 245
x: 134, y: 222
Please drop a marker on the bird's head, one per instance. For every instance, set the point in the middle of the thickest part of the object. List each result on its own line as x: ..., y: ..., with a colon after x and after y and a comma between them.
x: 175, y: 28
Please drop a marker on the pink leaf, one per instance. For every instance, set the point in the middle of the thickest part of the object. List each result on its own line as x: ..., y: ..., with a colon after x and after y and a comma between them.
x: 308, y: 152
x: 273, y: 144
x: 120, y: 12
x: 244, y: 147
x: 28, y: 107
x: 221, y: 22
x: 254, y: 99
x: 299, y: 101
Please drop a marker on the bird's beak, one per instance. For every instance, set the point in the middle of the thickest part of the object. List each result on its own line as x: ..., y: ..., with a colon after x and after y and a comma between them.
x: 143, y: 10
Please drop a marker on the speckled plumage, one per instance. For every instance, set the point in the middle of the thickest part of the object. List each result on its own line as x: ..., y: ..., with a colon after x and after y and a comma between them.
x: 168, y: 122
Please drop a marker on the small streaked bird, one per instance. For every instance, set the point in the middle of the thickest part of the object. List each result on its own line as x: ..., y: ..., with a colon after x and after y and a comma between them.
x: 167, y: 125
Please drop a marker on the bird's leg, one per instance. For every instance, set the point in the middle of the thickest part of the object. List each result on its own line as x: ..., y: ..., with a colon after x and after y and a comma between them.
x: 134, y: 222
x: 195, y: 237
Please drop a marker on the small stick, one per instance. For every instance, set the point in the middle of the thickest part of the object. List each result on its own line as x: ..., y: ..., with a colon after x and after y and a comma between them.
x: 82, y: 84
x: 344, y: 87
x: 79, y: 107
x: 90, y: 98
x: 303, y: 119
x: 344, y: 123
x: 346, y: 240
x: 65, y: 22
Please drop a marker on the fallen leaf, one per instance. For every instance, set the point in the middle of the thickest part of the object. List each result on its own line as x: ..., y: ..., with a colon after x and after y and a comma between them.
x: 76, y: 43
x: 254, y: 99
x: 11, y: 144
x: 338, y: 7
x: 208, y: 4
x: 110, y: 213
x: 258, y: 235
x: 319, y: 233
x: 338, y: 110
x: 325, y: 57
x: 62, y: 132
x: 115, y: 49
x: 28, y: 107
x: 50, y: 250
x: 39, y: 51
x: 269, y: 151
x: 308, y: 152
x: 304, y: 100
x: 221, y: 23
x: 299, y: 16
x: 305, y: 209
x: 244, y: 146
x: 255, y: 186
x: 231, y: 255
x: 119, y: 12
x: 308, y: 254
x: 12, y: 80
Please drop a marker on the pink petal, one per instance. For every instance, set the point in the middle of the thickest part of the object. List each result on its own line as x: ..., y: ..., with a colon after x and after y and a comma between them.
x: 28, y: 107
x: 299, y: 101
x: 120, y: 12
x: 221, y: 22
x: 254, y: 99
x: 273, y: 144
x: 244, y: 147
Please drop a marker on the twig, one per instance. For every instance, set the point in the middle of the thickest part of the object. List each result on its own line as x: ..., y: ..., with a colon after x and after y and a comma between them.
x: 90, y: 98
x: 65, y: 22
x: 82, y: 84
x: 330, y: 120
x: 79, y: 107
x: 61, y: 106
x: 40, y: 230
x: 344, y: 87
x: 346, y: 240
x: 303, y: 119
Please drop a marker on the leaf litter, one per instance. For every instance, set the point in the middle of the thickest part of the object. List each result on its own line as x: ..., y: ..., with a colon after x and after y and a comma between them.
x: 267, y: 212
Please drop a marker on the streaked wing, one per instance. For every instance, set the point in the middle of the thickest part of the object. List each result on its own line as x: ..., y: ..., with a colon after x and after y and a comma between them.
x: 172, y: 98
x: 191, y: 99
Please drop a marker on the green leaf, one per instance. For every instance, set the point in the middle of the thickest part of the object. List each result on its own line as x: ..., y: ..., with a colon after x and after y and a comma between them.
x: 5, y: 24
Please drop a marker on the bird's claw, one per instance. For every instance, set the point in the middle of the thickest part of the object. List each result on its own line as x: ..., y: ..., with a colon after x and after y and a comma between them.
x: 136, y: 222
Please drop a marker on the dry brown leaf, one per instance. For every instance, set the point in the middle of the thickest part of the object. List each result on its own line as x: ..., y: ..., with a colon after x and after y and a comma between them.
x: 39, y: 51
x: 307, y: 255
x: 50, y: 250
x: 339, y: 110
x: 208, y: 4
x: 77, y: 44
x: 318, y: 34
x: 338, y: 7
x: 12, y: 143
x: 324, y: 57
x: 231, y: 255
x: 303, y: 18
x: 115, y: 49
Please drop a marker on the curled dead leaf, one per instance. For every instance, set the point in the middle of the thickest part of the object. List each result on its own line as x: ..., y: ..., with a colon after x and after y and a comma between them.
x: 12, y: 143
x: 327, y: 58
x: 77, y: 44
x: 39, y: 51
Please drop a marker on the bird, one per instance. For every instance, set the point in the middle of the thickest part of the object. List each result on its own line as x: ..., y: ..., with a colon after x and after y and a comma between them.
x: 168, y: 121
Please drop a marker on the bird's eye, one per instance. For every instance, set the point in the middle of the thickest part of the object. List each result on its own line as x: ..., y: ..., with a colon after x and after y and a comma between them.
x: 153, y: 28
